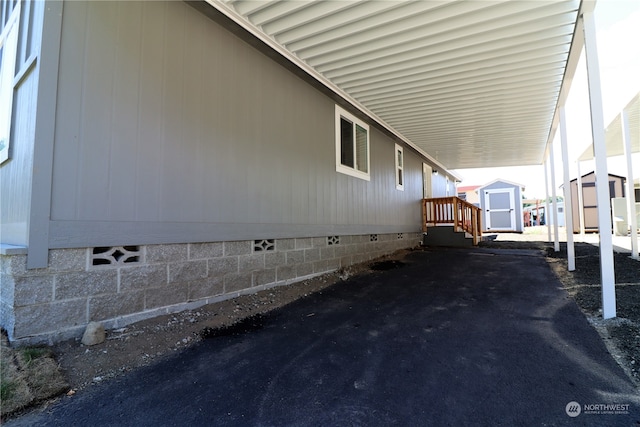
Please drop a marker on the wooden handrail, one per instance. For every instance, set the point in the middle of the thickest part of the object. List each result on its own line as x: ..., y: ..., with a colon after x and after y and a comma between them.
x: 452, y: 210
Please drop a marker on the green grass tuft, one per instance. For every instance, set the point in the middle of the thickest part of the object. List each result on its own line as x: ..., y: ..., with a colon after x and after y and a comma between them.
x: 31, y: 353
x: 7, y: 389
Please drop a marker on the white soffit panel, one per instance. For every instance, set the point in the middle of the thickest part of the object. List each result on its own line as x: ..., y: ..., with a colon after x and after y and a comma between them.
x: 471, y: 83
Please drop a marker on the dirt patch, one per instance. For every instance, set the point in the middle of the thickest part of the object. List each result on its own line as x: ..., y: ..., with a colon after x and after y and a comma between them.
x: 386, y: 265
x: 251, y: 323
x: 28, y: 376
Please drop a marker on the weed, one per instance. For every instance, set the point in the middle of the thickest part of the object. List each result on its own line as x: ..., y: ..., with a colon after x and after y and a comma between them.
x: 31, y: 353
x: 6, y: 389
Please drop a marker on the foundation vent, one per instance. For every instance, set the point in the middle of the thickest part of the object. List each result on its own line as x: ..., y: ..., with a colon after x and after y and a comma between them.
x: 400, y: 236
x: 116, y: 255
x: 373, y: 238
x: 264, y: 245
x: 333, y: 240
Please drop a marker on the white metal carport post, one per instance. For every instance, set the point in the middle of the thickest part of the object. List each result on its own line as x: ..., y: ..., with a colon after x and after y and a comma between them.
x: 546, y: 201
x: 580, y: 201
x: 568, y: 218
x: 607, y: 274
x: 554, y: 203
x: 631, y: 194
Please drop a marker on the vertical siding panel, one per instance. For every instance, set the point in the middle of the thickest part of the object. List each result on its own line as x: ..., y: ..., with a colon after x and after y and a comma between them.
x: 323, y: 181
x: 314, y: 158
x: 244, y: 114
x: 149, y: 117
x: 276, y: 118
x: 263, y: 161
x: 202, y: 161
x: 259, y: 171
x: 339, y: 197
x: 125, y: 107
x: 382, y: 184
x: 173, y: 193
x: 68, y: 146
x: 218, y: 114
x: 96, y: 121
x: 298, y: 146
x: 371, y: 207
x: 358, y: 193
x: 225, y: 130
x: 191, y: 119
x: 301, y: 193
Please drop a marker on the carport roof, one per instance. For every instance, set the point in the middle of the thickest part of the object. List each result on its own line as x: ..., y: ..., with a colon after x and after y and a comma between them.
x: 613, y: 133
x: 469, y: 83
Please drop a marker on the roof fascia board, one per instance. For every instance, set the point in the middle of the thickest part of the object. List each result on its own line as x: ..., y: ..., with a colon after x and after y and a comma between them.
x: 231, y: 14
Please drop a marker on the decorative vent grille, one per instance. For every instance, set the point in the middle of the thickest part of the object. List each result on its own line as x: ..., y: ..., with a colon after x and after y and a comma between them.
x: 264, y: 245
x: 400, y: 236
x: 333, y: 240
x: 373, y: 238
x: 116, y: 255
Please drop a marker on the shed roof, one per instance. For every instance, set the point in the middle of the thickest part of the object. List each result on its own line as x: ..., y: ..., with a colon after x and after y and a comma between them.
x: 511, y: 183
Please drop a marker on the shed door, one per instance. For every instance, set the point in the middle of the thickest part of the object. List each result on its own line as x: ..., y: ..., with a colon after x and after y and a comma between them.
x: 590, y: 203
x: 500, y: 212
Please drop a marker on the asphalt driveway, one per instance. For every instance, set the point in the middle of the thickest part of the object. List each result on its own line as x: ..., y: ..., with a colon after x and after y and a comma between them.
x: 452, y: 337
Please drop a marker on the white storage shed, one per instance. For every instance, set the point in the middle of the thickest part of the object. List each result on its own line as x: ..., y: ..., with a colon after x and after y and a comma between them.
x: 501, y: 206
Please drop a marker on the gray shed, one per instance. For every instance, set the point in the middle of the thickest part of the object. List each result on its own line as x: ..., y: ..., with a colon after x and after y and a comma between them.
x: 501, y: 206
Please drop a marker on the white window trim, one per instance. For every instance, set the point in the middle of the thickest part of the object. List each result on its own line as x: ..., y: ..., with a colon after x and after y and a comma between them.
x: 9, y: 44
x: 339, y: 166
x: 399, y: 167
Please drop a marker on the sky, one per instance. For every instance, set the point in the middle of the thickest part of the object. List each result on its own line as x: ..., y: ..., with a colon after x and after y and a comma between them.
x: 618, y: 41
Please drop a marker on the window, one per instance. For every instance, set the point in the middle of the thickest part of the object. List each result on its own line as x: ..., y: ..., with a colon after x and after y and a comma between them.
x: 8, y: 48
x: 352, y: 145
x: 399, y: 155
